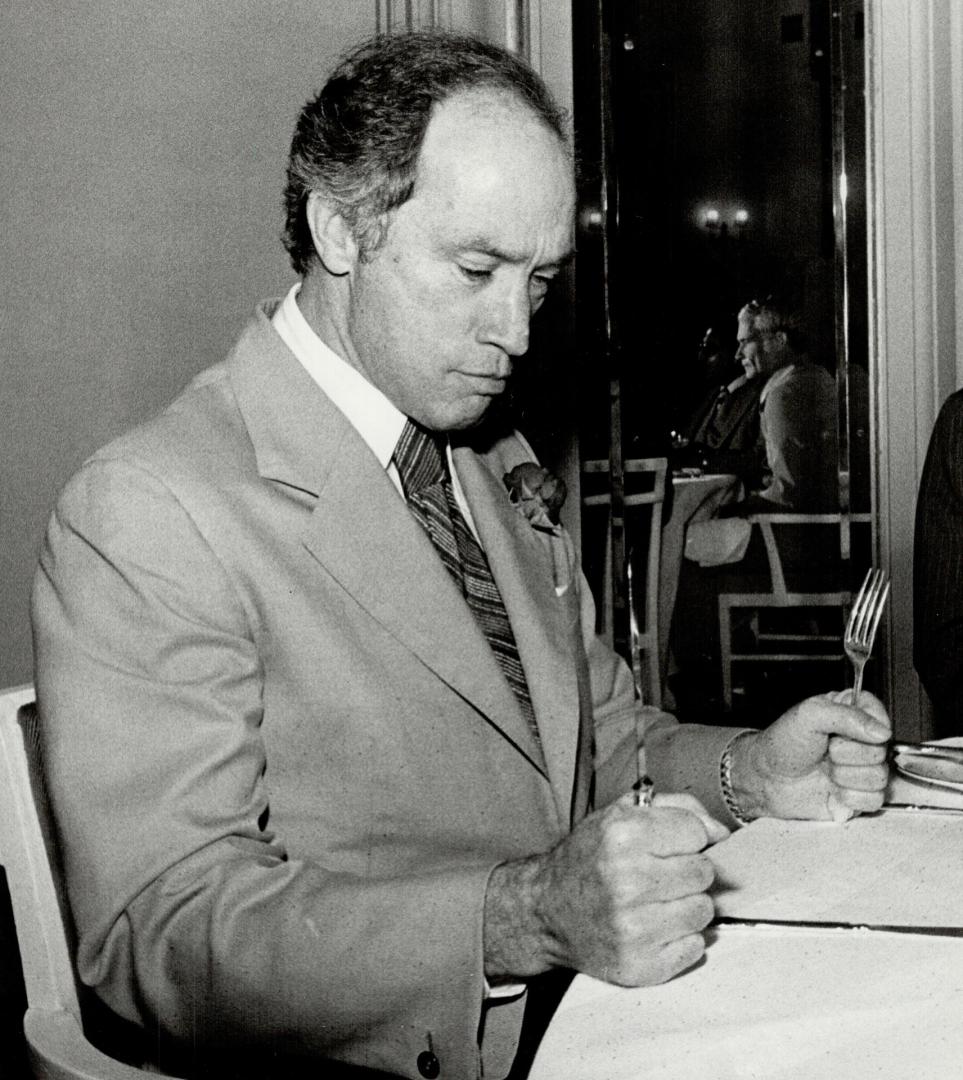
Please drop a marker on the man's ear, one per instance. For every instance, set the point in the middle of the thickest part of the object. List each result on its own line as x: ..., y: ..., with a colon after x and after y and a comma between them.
x: 333, y: 239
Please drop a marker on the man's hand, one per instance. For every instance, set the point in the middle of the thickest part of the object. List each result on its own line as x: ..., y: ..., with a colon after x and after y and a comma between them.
x: 821, y: 759
x: 623, y: 897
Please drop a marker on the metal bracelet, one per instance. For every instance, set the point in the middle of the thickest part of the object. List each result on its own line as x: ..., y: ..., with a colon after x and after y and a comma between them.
x: 725, y: 782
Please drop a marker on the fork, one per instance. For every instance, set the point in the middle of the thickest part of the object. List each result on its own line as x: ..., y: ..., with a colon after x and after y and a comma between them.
x: 863, y: 621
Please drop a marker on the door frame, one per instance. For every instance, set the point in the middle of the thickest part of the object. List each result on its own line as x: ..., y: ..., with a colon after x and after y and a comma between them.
x: 915, y: 136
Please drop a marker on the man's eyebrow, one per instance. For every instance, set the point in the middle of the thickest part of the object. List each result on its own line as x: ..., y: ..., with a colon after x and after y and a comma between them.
x: 479, y: 246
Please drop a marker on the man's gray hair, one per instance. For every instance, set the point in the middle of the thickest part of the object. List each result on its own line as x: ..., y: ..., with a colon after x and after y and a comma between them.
x: 776, y: 314
x: 357, y: 142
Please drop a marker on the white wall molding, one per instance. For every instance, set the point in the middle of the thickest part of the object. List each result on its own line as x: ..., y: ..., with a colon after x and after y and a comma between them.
x: 956, y: 97
x: 915, y: 135
x: 516, y: 24
x: 394, y: 15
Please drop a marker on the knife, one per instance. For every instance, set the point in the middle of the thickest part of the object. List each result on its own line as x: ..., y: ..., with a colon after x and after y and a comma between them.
x: 828, y: 924
x: 931, y: 750
x: 643, y: 787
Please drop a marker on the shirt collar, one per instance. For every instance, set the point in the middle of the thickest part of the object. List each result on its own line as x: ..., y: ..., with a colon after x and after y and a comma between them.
x: 775, y: 381
x: 374, y: 417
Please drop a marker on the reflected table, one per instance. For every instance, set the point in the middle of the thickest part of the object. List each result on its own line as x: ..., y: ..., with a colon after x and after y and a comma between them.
x: 694, y: 498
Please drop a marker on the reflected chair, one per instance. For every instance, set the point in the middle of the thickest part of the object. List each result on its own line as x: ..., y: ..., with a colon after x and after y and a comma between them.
x: 795, y: 644
x: 649, y: 474
x: 56, y: 1044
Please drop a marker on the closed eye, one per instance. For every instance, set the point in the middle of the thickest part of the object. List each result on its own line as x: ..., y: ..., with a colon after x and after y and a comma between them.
x: 475, y: 274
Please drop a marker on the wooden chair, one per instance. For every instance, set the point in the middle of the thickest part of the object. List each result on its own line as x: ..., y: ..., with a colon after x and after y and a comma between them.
x: 776, y: 647
x: 646, y: 596
x: 56, y: 1044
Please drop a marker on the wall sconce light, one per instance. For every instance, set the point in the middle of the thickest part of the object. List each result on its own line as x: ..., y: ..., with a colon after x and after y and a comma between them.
x: 722, y: 220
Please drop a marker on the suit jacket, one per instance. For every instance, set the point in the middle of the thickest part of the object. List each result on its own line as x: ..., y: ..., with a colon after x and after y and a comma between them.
x: 798, y: 419
x: 281, y: 755
x: 731, y: 423
x: 725, y: 435
x: 938, y: 570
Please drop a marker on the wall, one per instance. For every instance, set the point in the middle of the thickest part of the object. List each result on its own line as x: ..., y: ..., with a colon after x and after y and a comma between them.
x: 142, y: 163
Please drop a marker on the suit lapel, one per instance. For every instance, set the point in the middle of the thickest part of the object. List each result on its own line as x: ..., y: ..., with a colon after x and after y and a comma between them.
x: 366, y: 538
x: 522, y: 567
x: 361, y: 532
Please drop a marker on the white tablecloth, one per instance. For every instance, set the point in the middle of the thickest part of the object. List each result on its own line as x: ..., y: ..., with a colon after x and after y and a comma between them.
x: 773, y: 1004
x: 694, y: 499
x: 779, y: 1003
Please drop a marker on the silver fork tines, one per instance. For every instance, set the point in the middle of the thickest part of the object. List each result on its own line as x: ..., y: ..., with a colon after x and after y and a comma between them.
x: 863, y: 621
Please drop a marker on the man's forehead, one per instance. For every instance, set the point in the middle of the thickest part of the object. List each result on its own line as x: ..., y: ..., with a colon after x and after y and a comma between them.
x: 489, y: 125
x: 496, y: 180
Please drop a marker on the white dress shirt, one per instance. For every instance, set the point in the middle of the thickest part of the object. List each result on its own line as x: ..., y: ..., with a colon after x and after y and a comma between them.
x: 368, y: 411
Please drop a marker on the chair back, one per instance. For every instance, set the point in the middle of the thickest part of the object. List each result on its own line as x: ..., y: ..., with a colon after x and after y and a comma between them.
x: 794, y: 647
x: 766, y: 523
x: 30, y: 857
x: 647, y: 613
x: 56, y: 1045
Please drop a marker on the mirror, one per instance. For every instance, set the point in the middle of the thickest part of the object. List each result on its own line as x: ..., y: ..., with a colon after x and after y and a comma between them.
x: 722, y: 157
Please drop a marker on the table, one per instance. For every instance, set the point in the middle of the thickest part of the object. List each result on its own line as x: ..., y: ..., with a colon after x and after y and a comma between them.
x: 695, y: 498
x: 773, y: 1004
x: 778, y: 1003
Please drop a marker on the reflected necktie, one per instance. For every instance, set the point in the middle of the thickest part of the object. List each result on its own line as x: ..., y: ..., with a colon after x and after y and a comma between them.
x: 421, y: 463
x: 713, y: 434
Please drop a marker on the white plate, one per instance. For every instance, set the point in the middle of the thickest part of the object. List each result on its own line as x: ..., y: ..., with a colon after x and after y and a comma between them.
x: 924, y: 768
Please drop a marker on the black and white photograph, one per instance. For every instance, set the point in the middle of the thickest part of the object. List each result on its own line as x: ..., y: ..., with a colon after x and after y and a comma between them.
x: 481, y: 540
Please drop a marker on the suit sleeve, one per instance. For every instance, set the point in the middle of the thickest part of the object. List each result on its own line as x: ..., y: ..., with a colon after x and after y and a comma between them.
x: 678, y: 757
x: 938, y: 569
x: 192, y: 918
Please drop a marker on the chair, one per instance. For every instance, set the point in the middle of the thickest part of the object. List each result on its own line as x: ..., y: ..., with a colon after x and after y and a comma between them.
x: 56, y: 1044
x: 648, y: 616
x: 820, y: 647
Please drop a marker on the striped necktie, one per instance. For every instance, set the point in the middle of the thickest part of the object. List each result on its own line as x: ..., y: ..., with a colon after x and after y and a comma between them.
x: 713, y: 434
x: 421, y: 463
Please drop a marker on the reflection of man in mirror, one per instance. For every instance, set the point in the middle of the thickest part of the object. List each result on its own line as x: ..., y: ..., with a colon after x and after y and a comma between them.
x: 797, y: 406
x: 723, y: 433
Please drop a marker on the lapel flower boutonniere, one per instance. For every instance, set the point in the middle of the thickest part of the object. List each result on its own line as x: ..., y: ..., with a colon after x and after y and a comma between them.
x: 537, y: 494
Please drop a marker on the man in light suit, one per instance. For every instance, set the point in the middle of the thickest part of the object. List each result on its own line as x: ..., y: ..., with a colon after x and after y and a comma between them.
x: 798, y: 412
x: 310, y: 819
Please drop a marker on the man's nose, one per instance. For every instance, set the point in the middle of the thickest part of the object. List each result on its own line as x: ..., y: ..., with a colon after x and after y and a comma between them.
x: 507, y: 321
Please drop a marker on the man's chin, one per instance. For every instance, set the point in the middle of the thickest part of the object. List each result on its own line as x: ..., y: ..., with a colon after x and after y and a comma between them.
x: 472, y: 413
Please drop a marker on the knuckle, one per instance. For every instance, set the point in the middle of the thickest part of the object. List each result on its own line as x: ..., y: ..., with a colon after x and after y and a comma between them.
x: 614, y: 839
x: 679, y: 830
x: 679, y: 956
x: 694, y: 873
x: 691, y: 874
x: 706, y: 872
x: 691, y: 948
x: 701, y: 911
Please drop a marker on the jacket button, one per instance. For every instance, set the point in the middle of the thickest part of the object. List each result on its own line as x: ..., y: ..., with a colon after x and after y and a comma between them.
x: 428, y: 1065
